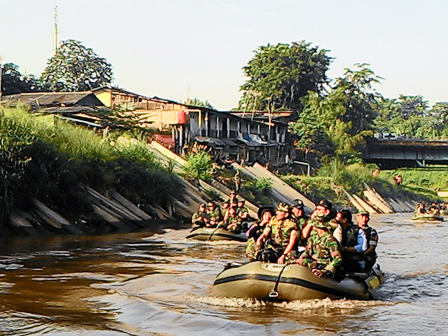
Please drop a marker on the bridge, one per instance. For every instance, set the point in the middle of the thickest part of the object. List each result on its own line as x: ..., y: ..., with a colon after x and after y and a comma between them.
x: 396, y: 153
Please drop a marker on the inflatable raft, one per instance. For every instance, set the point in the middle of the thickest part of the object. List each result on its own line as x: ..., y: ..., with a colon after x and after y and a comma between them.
x: 213, y: 234
x: 427, y: 218
x: 268, y: 281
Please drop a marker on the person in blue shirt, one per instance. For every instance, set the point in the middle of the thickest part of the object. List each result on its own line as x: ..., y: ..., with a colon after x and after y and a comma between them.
x: 360, y: 254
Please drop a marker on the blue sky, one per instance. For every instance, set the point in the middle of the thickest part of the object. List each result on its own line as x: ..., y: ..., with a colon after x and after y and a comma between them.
x: 165, y: 47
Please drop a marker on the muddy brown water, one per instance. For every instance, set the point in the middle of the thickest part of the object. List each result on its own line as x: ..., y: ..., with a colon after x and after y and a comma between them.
x: 160, y: 284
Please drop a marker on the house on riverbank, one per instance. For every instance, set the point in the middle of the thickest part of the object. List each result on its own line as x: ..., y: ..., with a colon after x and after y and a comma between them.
x: 238, y: 135
x: 234, y: 134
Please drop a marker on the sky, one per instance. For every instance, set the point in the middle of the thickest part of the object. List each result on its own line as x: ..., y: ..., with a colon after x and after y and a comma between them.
x: 177, y: 49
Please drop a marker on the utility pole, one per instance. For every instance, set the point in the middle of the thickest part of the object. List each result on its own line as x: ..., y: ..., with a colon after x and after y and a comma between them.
x: 55, y: 29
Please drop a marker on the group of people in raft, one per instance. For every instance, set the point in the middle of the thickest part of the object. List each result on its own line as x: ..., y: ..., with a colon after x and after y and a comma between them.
x: 328, y: 242
x: 433, y: 210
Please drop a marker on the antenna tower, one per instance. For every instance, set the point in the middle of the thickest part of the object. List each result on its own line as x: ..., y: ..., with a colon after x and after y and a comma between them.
x: 55, y: 30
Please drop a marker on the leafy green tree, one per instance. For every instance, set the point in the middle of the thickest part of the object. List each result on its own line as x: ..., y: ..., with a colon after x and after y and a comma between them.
x: 411, y: 116
x: 76, y: 68
x: 338, y: 122
x: 280, y: 75
x: 412, y: 106
x: 197, y: 102
x: 14, y: 82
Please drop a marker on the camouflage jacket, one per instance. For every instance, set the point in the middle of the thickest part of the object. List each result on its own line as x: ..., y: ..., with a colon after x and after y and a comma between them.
x: 300, y: 221
x: 243, y: 210
x: 322, y: 252
x: 198, y: 217
x: 280, y: 231
x: 232, y: 220
x: 215, y: 215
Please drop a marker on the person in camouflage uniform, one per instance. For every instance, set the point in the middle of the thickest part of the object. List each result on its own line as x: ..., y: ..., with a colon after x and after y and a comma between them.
x: 214, y: 214
x: 322, y: 253
x: 242, y: 210
x: 224, y: 208
x: 322, y: 213
x: 233, y: 199
x: 264, y: 214
x: 281, y: 235
x: 299, y: 217
x: 200, y: 218
x: 232, y: 222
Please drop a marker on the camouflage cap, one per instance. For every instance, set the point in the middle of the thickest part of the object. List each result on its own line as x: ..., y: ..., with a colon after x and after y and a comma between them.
x: 283, y: 207
x: 363, y: 213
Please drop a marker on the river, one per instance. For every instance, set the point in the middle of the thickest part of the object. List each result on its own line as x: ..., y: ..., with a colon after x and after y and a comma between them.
x: 160, y: 284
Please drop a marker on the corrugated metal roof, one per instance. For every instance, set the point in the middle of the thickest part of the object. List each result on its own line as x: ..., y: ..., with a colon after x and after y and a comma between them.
x: 49, y: 98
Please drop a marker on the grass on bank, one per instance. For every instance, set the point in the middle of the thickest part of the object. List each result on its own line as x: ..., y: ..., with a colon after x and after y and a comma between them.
x: 335, y: 177
x: 49, y: 159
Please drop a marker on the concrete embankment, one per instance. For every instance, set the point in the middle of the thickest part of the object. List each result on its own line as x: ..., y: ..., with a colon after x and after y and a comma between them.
x: 114, y: 212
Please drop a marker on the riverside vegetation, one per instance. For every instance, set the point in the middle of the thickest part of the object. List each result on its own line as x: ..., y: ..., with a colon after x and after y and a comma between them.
x: 45, y: 158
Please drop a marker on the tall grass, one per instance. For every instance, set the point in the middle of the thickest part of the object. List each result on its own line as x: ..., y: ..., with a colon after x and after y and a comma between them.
x: 51, y: 159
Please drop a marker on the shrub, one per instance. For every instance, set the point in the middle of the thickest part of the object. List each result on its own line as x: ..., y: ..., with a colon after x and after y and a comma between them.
x: 199, y: 166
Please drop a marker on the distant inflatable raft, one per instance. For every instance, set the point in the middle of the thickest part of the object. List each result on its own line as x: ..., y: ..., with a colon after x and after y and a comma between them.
x: 268, y: 281
x: 214, y: 234
x: 429, y: 218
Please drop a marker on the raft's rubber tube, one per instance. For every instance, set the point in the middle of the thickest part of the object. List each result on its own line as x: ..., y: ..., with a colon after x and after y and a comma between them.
x: 214, y: 234
x: 256, y: 280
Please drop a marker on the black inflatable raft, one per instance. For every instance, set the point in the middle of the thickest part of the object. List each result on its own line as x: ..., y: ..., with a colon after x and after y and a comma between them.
x: 268, y: 281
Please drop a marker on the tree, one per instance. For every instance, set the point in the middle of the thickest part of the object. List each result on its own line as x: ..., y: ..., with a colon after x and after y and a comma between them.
x: 280, y: 75
x: 336, y: 123
x: 411, y: 116
x: 76, y: 68
x: 14, y: 82
x: 197, y: 102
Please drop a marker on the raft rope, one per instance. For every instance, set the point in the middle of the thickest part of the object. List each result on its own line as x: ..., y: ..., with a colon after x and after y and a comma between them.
x: 211, y: 234
x: 274, y: 293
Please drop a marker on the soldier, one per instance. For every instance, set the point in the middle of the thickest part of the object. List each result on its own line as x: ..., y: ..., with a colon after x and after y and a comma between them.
x: 322, y: 253
x: 298, y: 214
x: 320, y: 214
x: 224, y: 209
x: 232, y: 222
x: 299, y: 217
x: 242, y: 210
x: 200, y: 218
x: 264, y: 214
x: 214, y: 214
x: 281, y: 234
x: 420, y: 209
x: 233, y: 200
x: 237, y: 180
